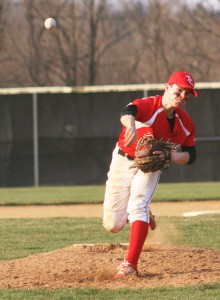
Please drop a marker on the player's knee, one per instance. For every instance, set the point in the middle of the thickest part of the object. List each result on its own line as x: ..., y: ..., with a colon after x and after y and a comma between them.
x: 113, y: 228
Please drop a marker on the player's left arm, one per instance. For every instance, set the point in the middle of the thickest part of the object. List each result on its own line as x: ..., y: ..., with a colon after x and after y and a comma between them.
x: 186, y: 157
x: 188, y: 154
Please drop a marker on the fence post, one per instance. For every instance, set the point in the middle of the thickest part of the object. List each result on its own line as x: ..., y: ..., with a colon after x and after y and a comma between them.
x: 145, y: 93
x: 35, y: 141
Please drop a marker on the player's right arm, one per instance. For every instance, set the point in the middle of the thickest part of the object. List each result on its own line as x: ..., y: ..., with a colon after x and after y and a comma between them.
x: 131, y: 133
x: 128, y: 120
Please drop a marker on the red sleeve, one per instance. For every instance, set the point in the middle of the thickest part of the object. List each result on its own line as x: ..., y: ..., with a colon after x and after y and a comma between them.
x: 189, y: 128
x: 143, y: 108
x: 190, y: 140
x: 146, y: 107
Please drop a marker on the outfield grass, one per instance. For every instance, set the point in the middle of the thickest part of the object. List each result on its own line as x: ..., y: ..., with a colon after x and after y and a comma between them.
x: 94, y: 194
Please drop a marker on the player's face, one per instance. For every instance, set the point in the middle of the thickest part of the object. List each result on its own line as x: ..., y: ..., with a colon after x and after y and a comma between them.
x: 177, y: 95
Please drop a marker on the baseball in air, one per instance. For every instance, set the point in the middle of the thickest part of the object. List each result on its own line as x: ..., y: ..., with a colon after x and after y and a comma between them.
x: 50, y: 23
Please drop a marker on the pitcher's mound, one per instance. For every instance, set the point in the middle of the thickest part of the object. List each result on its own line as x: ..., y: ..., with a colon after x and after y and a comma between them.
x: 95, y: 265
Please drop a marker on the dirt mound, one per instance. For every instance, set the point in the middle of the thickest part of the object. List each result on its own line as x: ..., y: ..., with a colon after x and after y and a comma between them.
x: 95, y: 266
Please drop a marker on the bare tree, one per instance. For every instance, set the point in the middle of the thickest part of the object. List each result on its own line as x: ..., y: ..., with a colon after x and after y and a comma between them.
x: 173, y: 37
x: 153, y: 23
x: 5, y: 58
x: 4, y: 11
x: 106, y: 42
x: 71, y: 54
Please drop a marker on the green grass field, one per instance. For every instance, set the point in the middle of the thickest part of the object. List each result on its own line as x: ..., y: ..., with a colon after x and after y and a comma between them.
x: 94, y: 194
x: 199, y: 292
x: 55, y: 233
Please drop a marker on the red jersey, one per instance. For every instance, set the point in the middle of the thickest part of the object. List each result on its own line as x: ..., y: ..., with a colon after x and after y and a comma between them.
x: 151, y: 118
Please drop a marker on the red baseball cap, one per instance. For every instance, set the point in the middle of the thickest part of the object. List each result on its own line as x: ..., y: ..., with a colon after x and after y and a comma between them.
x: 183, y: 80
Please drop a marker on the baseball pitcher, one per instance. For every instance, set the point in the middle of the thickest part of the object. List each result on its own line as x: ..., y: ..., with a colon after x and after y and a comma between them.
x: 156, y: 132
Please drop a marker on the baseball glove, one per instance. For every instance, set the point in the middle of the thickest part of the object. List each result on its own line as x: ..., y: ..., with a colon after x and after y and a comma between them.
x: 146, y: 161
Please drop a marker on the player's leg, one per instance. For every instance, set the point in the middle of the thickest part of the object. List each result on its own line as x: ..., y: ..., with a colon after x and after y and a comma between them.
x: 142, y: 189
x: 115, y: 214
x: 117, y: 193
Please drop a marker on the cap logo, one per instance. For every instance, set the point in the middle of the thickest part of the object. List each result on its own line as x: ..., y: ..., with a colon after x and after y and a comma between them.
x: 189, y: 79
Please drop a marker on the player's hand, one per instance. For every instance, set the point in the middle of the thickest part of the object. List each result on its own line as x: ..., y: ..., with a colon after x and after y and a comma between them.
x: 160, y: 154
x: 130, y: 136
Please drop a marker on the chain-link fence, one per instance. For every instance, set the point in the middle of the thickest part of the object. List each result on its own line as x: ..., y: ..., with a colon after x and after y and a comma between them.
x: 65, y: 136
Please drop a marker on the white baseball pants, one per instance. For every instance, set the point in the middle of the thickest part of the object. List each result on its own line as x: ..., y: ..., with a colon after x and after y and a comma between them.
x: 128, y: 193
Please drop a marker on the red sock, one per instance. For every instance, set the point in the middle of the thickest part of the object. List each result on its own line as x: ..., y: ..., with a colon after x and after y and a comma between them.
x: 138, y: 235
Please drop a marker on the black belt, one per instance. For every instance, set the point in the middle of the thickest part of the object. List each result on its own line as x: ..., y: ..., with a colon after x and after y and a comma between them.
x: 122, y: 153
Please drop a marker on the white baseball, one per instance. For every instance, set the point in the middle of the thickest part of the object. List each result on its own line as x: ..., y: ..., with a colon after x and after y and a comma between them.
x: 50, y: 23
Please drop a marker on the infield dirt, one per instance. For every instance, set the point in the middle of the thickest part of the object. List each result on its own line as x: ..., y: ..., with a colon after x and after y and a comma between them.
x: 95, y: 266
x: 95, y: 210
